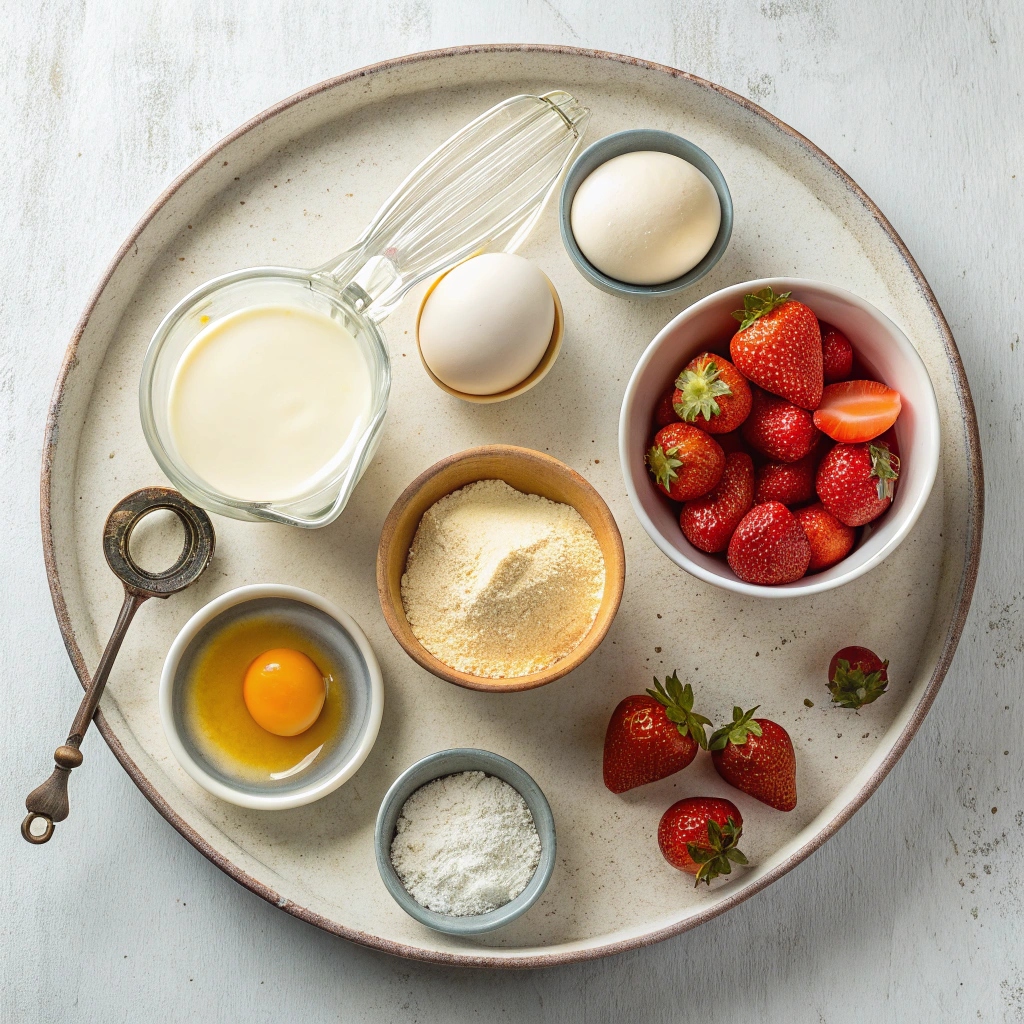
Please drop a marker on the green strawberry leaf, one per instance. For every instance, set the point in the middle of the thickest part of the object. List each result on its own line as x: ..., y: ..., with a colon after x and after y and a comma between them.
x: 663, y: 464
x: 853, y: 688
x: 677, y: 700
x: 886, y: 467
x: 699, y: 854
x: 700, y: 389
x: 736, y: 731
x: 758, y: 305
x: 721, y: 852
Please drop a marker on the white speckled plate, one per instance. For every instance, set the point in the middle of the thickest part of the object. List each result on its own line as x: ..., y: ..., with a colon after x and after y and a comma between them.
x: 294, y: 186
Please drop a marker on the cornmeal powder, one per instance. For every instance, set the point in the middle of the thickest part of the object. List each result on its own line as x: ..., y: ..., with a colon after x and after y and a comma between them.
x: 499, y: 583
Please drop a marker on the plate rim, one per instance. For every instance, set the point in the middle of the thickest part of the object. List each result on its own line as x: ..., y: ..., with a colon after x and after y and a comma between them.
x: 961, y: 601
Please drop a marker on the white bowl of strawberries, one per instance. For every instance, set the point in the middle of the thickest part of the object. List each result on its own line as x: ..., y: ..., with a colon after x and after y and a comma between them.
x: 779, y: 437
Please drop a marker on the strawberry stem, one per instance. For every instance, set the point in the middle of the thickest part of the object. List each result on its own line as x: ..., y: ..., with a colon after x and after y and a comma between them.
x: 758, y: 305
x: 677, y: 700
x: 699, y: 390
x: 736, y: 731
x: 663, y: 464
x: 853, y: 687
x: 886, y: 467
x: 718, y: 857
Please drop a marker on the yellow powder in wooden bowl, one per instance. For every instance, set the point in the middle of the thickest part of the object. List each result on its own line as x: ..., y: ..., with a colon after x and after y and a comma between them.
x: 499, y: 583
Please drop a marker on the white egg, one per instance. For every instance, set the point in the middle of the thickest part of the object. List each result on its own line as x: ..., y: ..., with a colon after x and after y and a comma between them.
x: 645, y: 218
x: 487, y: 324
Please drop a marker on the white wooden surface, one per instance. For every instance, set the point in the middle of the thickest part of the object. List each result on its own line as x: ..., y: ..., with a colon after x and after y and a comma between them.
x: 911, y: 912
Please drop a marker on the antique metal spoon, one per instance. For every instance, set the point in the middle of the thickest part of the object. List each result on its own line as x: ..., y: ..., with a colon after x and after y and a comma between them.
x: 49, y: 802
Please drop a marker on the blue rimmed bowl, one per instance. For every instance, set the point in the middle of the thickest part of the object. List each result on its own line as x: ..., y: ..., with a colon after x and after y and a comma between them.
x: 452, y: 762
x: 632, y: 141
x: 359, y: 675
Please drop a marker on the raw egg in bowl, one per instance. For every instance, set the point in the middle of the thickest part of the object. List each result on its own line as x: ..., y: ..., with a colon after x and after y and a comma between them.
x: 271, y: 697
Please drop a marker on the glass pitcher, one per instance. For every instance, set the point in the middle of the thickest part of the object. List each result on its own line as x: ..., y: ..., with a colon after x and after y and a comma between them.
x: 483, y: 189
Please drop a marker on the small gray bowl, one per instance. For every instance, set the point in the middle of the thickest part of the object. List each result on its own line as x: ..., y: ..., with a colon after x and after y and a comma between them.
x: 338, y: 634
x: 451, y: 762
x: 634, y: 140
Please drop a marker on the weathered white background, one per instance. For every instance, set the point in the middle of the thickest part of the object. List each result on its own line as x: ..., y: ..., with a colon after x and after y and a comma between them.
x: 913, y: 912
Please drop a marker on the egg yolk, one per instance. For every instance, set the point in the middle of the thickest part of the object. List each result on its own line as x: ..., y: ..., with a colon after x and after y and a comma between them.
x: 284, y: 691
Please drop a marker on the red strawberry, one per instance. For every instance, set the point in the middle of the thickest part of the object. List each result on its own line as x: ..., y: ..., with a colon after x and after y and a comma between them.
x: 651, y: 737
x: 712, y: 394
x: 836, y: 354
x: 830, y: 539
x: 857, y: 676
x: 685, y: 462
x: 778, y: 347
x: 791, y: 483
x: 700, y: 835
x: 857, y: 410
x: 778, y: 429
x: 756, y: 756
x: 709, y: 522
x: 731, y: 442
x: 769, y: 546
x: 856, y: 481
x: 664, y: 413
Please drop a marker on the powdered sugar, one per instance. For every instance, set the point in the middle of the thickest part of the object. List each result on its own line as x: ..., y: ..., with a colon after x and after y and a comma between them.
x: 465, y: 844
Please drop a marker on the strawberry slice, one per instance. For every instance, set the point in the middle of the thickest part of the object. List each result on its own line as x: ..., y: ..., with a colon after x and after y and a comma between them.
x: 854, y: 411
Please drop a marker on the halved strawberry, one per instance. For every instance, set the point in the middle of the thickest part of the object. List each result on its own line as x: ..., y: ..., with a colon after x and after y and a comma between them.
x: 684, y: 461
x: 712, y: 394
x: 836, y: 354
x: 853, y: 411
x: 651, y: 736
x: 769, y: 546
x: 830, y: 539
x: 664, y: 412
x: 857, y: 676
x: 709, y: 522
x: 778, y: 347
x: 855, y: 481
x: 779, y: 429
x: 791, y: 483
x: 700, y: 835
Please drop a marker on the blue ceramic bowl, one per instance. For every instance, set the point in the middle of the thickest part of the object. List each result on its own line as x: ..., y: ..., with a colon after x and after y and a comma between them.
x: 451, y: 762
x: 643, y: 139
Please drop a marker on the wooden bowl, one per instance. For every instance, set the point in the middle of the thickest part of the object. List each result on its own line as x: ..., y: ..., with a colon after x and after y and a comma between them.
x: 528, y: 471
x: 538, y: 373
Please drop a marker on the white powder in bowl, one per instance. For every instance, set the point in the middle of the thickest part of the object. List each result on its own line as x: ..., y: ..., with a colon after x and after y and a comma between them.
x: 499, y: 583
x: 465, y: 844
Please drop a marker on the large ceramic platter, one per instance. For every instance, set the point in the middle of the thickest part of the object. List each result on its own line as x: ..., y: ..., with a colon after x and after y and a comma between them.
x: 294, y: 186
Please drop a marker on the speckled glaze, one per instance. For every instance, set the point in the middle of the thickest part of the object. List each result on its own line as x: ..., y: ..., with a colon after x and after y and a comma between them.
x: 310, y: 172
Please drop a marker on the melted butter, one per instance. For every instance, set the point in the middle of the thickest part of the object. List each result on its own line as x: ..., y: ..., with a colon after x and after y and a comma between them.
x: 219, y: 722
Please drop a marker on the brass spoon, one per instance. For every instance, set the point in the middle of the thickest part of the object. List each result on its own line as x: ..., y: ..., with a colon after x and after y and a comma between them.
x: 49, y: 802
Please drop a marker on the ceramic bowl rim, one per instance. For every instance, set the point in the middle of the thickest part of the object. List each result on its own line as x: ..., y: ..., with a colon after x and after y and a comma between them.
x: 374, y: 681
x: 928, y: 454
x: 645, y: 139
x: 434, y: 766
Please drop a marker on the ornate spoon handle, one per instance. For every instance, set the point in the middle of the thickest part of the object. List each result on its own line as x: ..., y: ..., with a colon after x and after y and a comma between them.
x: 49, y: 802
